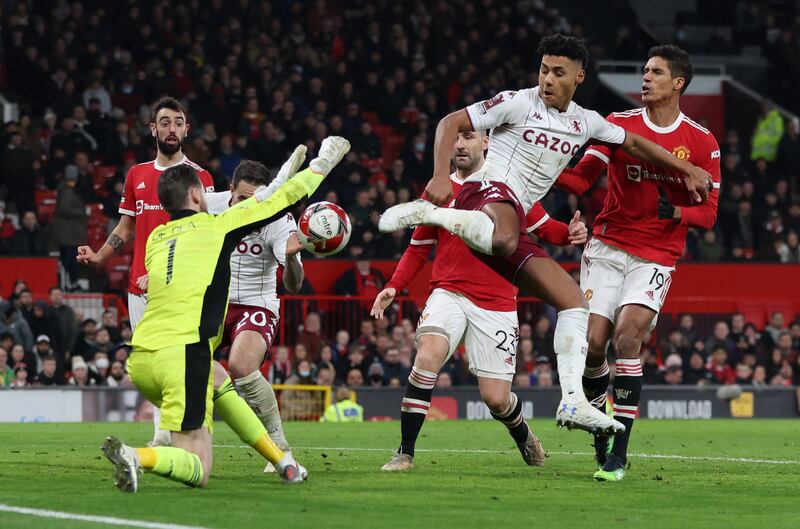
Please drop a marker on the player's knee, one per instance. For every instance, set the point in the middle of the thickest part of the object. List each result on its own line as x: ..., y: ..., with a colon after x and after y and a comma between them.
x: 504, y: 243
x: 238, y: 368
x: 596, y: 347
x: 627, y: 344
x: 496, y: 402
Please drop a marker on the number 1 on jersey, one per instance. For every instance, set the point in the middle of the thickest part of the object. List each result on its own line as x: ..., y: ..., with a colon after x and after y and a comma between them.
x: 170, y: 258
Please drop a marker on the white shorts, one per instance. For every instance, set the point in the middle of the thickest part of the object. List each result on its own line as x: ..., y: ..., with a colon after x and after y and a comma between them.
x: 490, y: 337
x: 136, y: 305
x: 612, y: 278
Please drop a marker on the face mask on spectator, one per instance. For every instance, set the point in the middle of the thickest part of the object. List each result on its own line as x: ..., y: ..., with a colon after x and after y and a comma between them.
x: 101, y: 363
x: 304, y: 374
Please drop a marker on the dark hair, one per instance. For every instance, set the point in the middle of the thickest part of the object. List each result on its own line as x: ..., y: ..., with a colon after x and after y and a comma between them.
x: 48, y: 357
x: 679, y: 62
x: 54, y: 288
x: 564, y: 46
x: 174, y: 185
x: 167, y: 102
x: 24, y: 290
x: 251, y: 172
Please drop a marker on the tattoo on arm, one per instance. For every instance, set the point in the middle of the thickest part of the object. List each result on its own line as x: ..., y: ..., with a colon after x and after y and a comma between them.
x: 116, y: 242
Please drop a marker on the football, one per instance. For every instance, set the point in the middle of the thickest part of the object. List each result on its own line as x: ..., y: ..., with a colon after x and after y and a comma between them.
x: 324, y: 228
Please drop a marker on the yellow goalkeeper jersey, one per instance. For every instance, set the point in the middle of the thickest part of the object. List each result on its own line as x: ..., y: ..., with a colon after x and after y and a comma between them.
x: 188, y: 264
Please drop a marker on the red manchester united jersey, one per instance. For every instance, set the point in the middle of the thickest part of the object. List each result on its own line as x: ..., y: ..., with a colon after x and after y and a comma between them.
x: 629, y: 219
x: 140, y: 201
x: 457, y: 269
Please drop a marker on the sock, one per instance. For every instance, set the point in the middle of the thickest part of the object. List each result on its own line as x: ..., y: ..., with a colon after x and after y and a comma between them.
x: 415, y: 407
x: 570, y: 344
x: 627, y: 393
x: 258, y: 393
x: 237, y: 414
x: 474, y: 227
x: 595, y: 385
x: 512, y: 418
x: 173, y: 463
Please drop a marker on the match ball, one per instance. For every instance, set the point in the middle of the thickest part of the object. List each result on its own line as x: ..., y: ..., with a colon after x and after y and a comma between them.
x: 324, y: 229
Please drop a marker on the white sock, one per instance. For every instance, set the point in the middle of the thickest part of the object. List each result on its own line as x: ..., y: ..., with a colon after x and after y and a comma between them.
x: 258, y: 393
x: 474, y: 227
x: 160, y: 437
x: 570, y: 345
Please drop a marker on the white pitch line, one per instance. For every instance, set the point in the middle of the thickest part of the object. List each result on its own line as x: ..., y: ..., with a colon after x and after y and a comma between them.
x: 107, y: 520
x: 483, y: 451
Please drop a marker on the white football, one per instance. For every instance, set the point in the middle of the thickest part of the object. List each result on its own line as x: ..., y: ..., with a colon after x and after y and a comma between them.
x: 324, y: 228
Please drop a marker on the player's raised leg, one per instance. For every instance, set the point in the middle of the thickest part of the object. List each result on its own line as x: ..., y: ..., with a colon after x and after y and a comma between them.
x: 633, y: 323
x: 544, y: 278
x: 492, y: 230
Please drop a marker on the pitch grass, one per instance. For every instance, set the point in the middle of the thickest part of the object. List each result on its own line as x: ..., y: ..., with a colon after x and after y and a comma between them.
x: 59, y: 467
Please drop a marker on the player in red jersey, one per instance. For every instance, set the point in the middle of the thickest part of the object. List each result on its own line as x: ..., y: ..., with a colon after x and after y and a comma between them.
x: 627, y: 266
x: 534, y: 133
x: 141, y: 210
x: 469, y: 302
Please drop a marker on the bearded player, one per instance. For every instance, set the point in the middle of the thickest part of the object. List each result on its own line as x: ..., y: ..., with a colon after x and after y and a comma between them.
x: 534, y: 133
x: 470, y: 303
x: 626, y: 268
x: 253, y: 304
x: 141, y: 211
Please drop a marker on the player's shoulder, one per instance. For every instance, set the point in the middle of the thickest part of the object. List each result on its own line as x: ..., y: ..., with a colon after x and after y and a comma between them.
x: 194, y: 166
x: 142, y: 169
x: 632, y: 115
x: 698, y: 131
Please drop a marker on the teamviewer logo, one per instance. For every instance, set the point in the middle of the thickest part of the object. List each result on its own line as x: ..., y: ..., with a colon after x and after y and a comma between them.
x: 634, y: 172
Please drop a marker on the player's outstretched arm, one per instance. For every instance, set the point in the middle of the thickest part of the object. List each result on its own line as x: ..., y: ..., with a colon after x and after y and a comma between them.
x: 293, y: 273
x: 114, y: 244
x: 698, y: 181
x: 439, y: 189
x: 582, y: 177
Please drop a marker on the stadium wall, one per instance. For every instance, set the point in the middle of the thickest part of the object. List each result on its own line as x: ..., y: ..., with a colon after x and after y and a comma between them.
x: 658, y: 402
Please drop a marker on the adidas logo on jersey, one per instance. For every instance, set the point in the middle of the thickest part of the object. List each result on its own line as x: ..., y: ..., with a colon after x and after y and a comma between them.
x: 649, y: 294
x: 140, y: 186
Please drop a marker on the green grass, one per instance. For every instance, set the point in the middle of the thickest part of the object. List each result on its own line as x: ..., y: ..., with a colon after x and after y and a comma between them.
x: 59, y: 467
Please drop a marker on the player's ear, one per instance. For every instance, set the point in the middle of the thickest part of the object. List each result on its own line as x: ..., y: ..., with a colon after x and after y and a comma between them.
x: 581, y: 76
x: 153, y: 132
x: 186, y: 131
x: 678, y: 83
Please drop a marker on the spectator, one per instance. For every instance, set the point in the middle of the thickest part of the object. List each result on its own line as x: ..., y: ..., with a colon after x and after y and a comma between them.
x: 522, y: 380
x: 545, y: 379
x: 80, y: 373
x: 721, y: 338
x: 12, y: 322
x: 42, y: 321
x: 355, y: 378
x: 69, y: 224
x: 49, y: 375
x: 709, y: 249
x: 444, y: 380
x: 375, y: 375
x: 759, y: 379
x: 29, y: 240
x: 18, y: 172
x: 326, y: 375
x: 109, y: 322
x: 98, y: 367
x: 695, y: 373
x: 744, y: 374
x: 66, y: 328
x: 651, y: 374
x: 117, y: 377
x: 281, y: 368
x: 686, y: 326
x: 366, y: 144
x: 673, y: 376
x: 24, y: 304
x: 341, y: 345
x: 723, y: 373
x: 311, y: 336
x: 363, y: 281
x: 6, y: 372
x: 774, y: 329
x: 84, y: 343
x: 543, y: 338
x: 21, y: 377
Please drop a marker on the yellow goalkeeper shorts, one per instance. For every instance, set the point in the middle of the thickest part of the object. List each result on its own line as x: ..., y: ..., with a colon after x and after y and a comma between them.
x: 180, y: 381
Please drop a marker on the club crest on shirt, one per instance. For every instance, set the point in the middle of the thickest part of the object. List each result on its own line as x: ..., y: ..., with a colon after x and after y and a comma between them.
x: 681, y: 152
x: 588, y: 294
x: 575, y: 125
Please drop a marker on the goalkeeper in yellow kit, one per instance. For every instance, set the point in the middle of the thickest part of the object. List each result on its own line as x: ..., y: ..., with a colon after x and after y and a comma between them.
x: 188, y: 265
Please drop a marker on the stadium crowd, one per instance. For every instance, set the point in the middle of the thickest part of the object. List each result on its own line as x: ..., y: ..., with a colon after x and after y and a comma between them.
x: 381, y: 75
x: 261, y: 77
